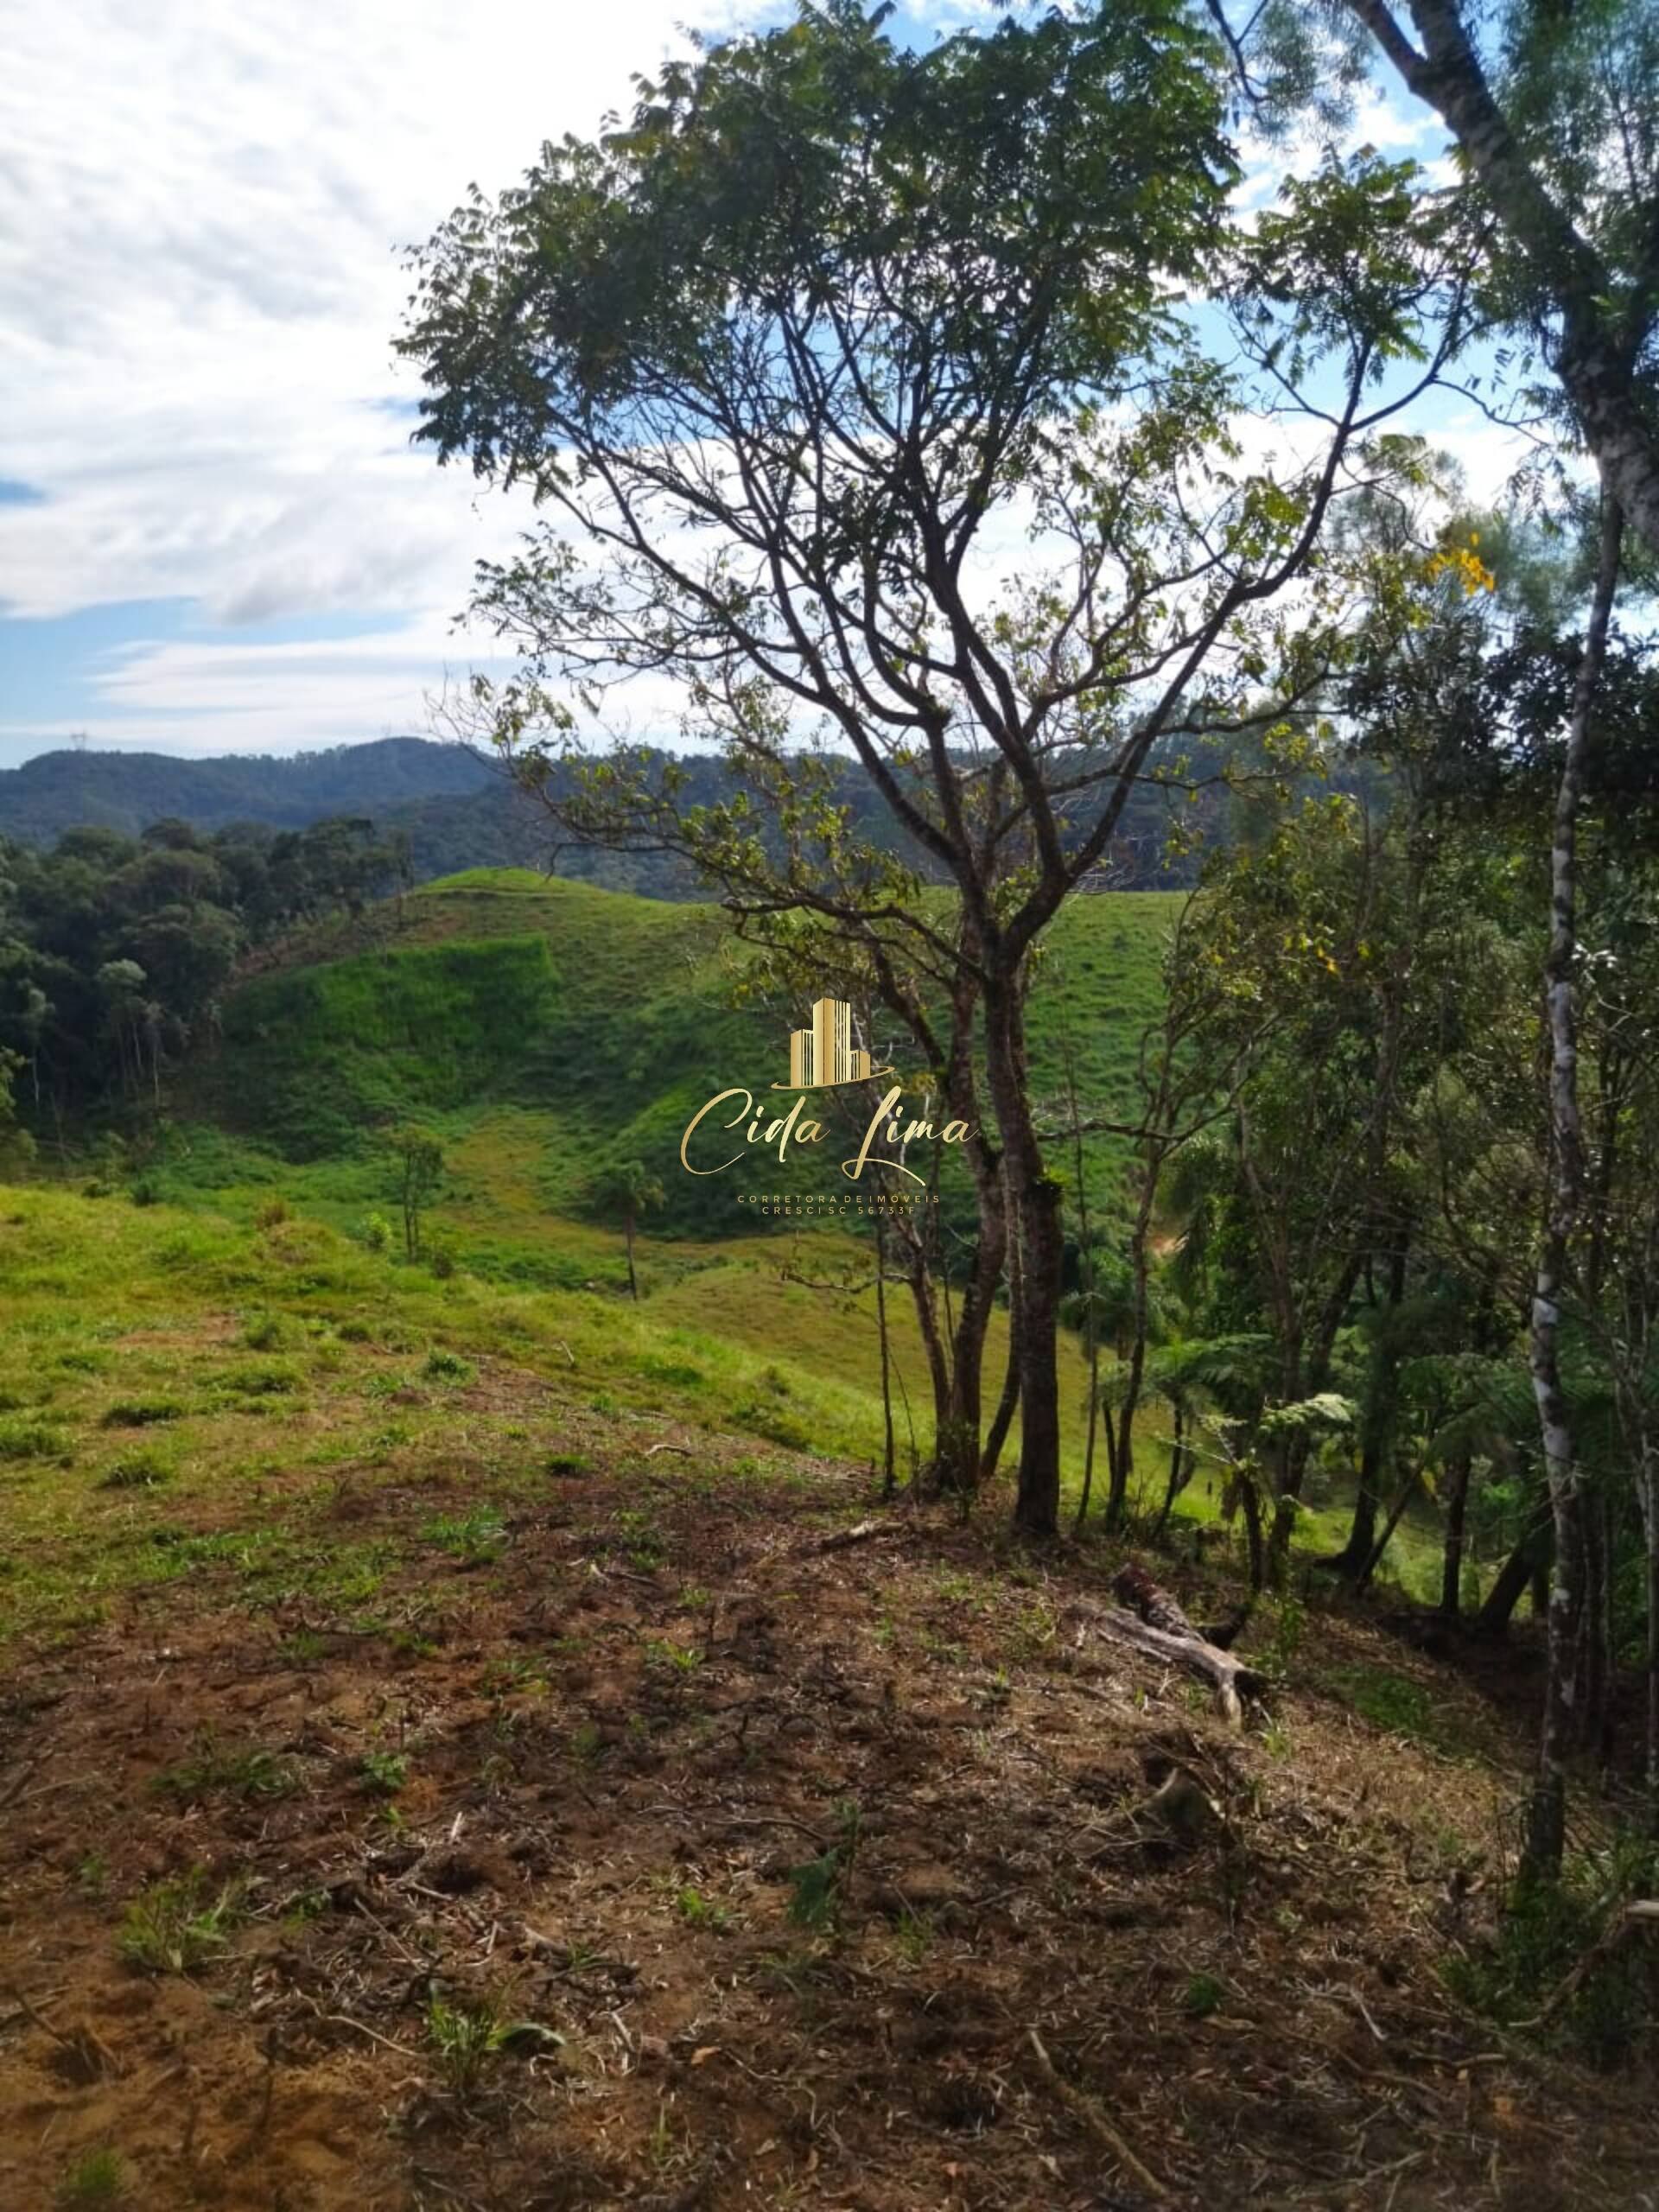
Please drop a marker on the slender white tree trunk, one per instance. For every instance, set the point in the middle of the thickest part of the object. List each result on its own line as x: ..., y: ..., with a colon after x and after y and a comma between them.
x: 1546, y: 1830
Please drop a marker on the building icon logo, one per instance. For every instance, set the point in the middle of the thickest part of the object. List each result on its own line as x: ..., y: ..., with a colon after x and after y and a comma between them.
x: 824, y: 1054
x: 821, y: 1057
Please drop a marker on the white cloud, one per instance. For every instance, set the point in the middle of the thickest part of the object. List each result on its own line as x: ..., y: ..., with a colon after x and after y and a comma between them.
x: 200, y: 285
x: 197, y: 294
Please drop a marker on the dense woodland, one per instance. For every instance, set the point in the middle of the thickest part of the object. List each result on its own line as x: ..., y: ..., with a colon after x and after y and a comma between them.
x: 83, y: 786
x: 115, y: 951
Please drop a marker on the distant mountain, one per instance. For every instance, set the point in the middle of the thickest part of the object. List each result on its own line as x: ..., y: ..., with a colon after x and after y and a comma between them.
x: 456, y: 812
x: 126, y: 792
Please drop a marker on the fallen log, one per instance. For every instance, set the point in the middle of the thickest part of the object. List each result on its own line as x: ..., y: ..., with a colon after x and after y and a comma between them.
x: 1230, y: 1680
x: 861, y: 1532
x: 1134, y: 1588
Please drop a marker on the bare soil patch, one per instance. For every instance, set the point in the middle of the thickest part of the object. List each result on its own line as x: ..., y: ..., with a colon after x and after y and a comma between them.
x: 766, y: 1861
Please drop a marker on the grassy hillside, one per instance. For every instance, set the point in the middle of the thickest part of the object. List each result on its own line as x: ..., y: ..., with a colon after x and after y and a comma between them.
x: 555, y: 1025
x: 158, y: 1368
x: 542, y: 1028
x: 460, y: 1748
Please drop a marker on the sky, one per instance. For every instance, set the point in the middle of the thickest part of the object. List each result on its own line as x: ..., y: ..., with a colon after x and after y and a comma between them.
x: 215, y: 535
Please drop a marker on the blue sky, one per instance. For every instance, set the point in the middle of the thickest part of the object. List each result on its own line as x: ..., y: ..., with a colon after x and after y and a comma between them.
x: 215, y: 536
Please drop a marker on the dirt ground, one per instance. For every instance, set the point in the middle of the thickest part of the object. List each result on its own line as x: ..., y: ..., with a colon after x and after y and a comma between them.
x: 791, y: 1872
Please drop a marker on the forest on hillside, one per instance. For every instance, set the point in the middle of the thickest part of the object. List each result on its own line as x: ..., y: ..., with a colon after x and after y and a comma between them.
x: 449, y: 808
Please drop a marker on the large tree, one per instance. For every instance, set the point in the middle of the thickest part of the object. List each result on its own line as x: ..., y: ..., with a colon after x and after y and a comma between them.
x: 857, y: 387
x: 1553, y: 109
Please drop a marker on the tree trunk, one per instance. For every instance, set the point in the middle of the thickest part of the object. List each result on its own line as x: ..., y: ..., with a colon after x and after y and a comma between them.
x: 1361, y: 1530
x: 1288, y: 1464
x: 1592, y: 1623
x: 1108, y: 1425
x: 1086, y: 1252
x: 957, y: 1447
x: 1124, y: 1473
x: 1591, y: 364
x: 1457, y: 1513
x: 957, y: 1357
x: 1177, y: 1454
x: 938, y: 1366
x: 1530, y: 1556
x: 1002, y: 1420
x: 1378, y: 1422
x: 1035, y: 1199
x: 1607, y: 1657
x: 889, y: 1478
x: 1251, y: 1503
x: 1397, y: 1513
x: 1541, y: 1574
x: 1546, y: 1821
x: 1093, y: 1436
x: 1648, y: 1492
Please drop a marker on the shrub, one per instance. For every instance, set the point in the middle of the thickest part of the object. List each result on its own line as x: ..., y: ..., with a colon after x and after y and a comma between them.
x: 1548, y: 1930
x: 28, y: 1439
x: 377, y: 1233
x: 467, y: 2041
x: 384, y: 1772
x: 267, y: 1332
x: 817, y: 1887
x: 140, y: 1413
x: 98, y: 2179
x: 270, y: 1213
x: 172, y: 1926
x: 142, y: 1468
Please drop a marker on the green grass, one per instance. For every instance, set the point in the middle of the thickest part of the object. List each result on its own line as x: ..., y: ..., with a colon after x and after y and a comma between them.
x: 174, y: 1927
x: 242, y: 1493
x: 544, y: 1027
x: 209, y: 1768
x: 1403, y: 1707
x: 539, y: 1027
x: 25, y: 1438
x: 121, y: 1305
x: 98, y: 2179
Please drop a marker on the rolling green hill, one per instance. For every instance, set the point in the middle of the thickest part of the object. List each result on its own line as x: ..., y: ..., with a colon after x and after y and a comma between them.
x: 547, y: 1028
x: 541, y: 1027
